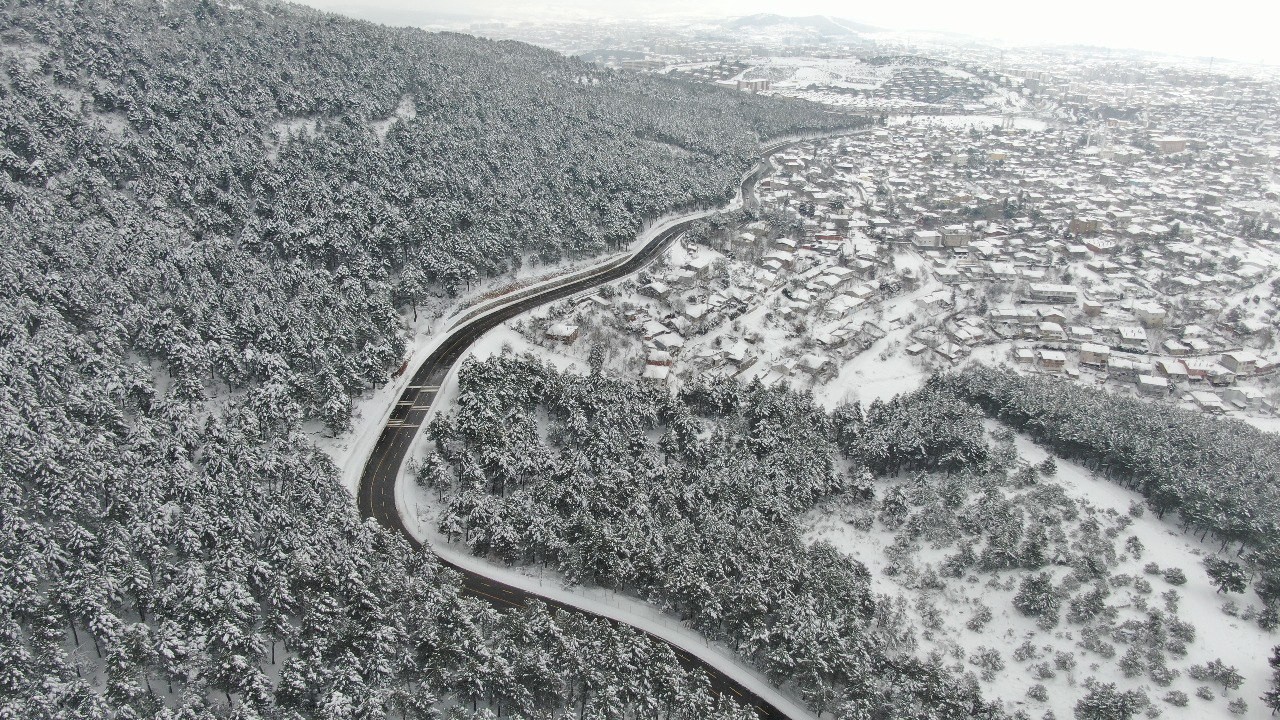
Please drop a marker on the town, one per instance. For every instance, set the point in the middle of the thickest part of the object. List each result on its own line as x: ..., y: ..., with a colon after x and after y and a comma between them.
x: 1106, y: 253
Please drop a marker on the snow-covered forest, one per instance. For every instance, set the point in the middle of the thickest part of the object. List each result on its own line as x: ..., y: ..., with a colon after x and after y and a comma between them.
x: 211, y: 218
x: 693, y: 502
x: 703, y: 504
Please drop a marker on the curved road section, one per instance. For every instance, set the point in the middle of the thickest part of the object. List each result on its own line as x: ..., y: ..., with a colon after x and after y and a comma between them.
x: 376, y: 496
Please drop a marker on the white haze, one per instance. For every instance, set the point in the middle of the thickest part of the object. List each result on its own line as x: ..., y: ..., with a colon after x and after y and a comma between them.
x: 1242, y: 30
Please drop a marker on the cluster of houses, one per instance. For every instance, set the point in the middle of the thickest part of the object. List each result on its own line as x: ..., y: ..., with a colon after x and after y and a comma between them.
x: 1108, y: 262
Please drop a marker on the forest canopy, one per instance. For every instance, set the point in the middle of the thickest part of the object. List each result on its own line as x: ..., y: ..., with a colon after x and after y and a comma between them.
x: 211, y: 216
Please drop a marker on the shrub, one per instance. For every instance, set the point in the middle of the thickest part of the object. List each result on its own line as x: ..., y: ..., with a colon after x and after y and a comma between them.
x: 1064, y: 661
x: 1175, y: 576
x: 1269, y: 618
x: 1238, y: 706
x: 1204, y: 693
x: 1024, y: 652
x: 1043, y: 671
x: 1176, y: 698
x: 1095, y: 644
x: 1142, y: 586
x: 1038, y: 692
x: 981, y: 616
x: 1163, y: 676
x: 1037, y: 598
x: 1151, y: 568
x: 1134, y: 546
x: 1085, y: 607
x: 1049, y: 467
x: 1132, y: 664
x: 1104, y: 702
x: 987, y: 660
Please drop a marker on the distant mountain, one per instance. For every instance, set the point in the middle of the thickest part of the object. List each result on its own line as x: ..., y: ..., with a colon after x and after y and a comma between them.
x: 821, y: 25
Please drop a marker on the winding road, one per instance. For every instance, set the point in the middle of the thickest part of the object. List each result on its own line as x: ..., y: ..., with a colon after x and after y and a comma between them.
x: 376, y: 496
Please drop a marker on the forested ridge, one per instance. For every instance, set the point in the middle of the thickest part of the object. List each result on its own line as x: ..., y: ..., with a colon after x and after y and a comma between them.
x: 210, y: 218
x: 211, y: 178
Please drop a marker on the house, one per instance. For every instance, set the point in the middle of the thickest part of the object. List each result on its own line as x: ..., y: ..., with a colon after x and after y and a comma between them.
x: 1133, y: 338
x: 934, y: 301
x: 1220, y: 376
x: 1080, y: 333
x: 1052, y: 359
x: 1243, y: 398
x: 1126, y: 370
x: 656, y: 374
x: 698, y: 314
x: 1048, y: 292
x: 1084, y: 225
x: 656, y: 289
x: 669, y: 341
x: 652, y: 329
x: 1153, y: 385
x: 1149, y: 314
x: 1207, y: 401
x: 563, y: 332
x: 1172, y: 370
x: 1051, y: 331
x: 700, y: 267
x: 1240, y: 362
x: 659, y: 357
x: 814, y: 364
x: 1096, y: 355
x: 1169, y: 145
x: 1023, y: 355
x: 1197, y: 368
x: 1101, y: 246
x: 956, y: 236
x: 926, y: 239
x: 1053, y: 315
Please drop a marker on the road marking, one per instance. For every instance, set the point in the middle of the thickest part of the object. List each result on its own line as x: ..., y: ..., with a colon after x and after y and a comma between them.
x: 494, y: 597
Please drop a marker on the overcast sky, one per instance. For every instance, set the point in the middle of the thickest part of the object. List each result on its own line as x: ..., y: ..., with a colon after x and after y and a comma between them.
x: 1247, y: 30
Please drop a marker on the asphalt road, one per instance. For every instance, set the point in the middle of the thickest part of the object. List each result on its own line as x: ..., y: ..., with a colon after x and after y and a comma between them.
x: 376, y: 495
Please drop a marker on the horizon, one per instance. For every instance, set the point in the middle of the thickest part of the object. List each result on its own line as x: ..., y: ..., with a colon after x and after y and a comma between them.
x: 1238, y: 31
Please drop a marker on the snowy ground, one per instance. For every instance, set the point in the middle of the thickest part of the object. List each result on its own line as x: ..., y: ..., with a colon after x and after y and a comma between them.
x: 1237, y: 642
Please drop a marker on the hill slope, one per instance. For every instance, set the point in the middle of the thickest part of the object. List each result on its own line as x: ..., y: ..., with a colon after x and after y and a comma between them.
x: 209, y: 215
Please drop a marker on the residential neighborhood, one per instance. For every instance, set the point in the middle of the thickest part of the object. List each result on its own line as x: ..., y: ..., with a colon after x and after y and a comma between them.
x: 1080, y: 251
